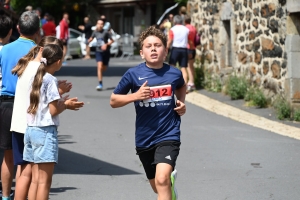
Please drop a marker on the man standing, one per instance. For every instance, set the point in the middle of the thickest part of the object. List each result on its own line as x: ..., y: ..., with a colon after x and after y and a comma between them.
x: 64, y: 32
x: 29, y: 29
x: 102, y: 54
x: 191, y: 54
x: 87, y: 29
x: 179, y: 35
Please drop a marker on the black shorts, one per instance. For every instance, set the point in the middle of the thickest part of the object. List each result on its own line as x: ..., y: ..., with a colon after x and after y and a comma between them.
x: 6, y: 109
x: 164, y: 152
x: 192, y: 54
x: 179, y: 55
x: 18, y: 148
x: 102, y: 56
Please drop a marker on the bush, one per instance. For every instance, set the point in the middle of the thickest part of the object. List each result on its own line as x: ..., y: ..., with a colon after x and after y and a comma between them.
x: 283, y: 108
x: 256, y: 97
x: 236, y: 87
x: 297, y: 115
x: 199, y: 77
x: 259, y: 99
x: 249, y: 94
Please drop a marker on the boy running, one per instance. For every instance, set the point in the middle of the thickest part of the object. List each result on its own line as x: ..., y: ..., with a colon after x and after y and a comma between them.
x: 158, y: 93
x: 102, y: 54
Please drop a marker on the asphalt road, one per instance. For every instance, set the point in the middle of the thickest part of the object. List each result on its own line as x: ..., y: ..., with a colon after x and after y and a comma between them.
x: 220, y: 159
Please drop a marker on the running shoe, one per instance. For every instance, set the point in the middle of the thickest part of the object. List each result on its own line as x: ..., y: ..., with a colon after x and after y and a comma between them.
x: 191, y: 88
x: 99, y: 87
x: 173, y: 188
x: 11, y: 193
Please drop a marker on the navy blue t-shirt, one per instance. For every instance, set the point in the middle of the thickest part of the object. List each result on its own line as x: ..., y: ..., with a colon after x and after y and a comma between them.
x: 156, y: 120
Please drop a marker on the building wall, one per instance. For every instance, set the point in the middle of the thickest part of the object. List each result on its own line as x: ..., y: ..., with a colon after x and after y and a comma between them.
x: 245, y: 37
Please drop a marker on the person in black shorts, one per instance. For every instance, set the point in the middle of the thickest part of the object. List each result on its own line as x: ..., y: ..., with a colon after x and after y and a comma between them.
x: 179, y: 38
x: 158, y: 92
x: 102, y: 54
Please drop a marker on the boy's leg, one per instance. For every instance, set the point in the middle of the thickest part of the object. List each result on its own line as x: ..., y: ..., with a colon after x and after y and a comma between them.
x: 45, y: 172
x: 99, y: 60
x: 100, y: 67
x: 163, y: 182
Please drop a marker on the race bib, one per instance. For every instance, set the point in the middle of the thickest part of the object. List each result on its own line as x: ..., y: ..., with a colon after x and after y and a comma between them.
x: 160, y: 93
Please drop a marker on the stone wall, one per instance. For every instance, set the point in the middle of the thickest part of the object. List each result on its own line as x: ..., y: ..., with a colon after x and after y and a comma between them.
x: 247, y: 36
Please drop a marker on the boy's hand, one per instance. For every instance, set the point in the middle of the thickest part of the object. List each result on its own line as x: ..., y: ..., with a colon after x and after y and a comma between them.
x: 143, y: 92
x: 64, y: 87
x: 73, y: 104
x: 180, y: 109
x: 104, y: 47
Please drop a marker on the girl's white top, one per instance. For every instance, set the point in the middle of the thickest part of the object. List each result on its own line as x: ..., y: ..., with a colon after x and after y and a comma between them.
x: 48, y: 93
x: 19, y: 121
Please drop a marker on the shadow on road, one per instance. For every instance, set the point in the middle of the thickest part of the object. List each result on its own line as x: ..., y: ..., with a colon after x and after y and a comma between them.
x: 56, y: 191
x: 70, y: 162
x: 90, y: 71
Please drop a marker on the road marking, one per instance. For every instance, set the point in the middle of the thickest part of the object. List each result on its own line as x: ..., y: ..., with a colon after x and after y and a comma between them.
x: 242, y: 116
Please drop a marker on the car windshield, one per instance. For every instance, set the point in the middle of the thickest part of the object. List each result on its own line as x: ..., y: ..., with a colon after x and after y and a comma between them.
x: 74, y: 34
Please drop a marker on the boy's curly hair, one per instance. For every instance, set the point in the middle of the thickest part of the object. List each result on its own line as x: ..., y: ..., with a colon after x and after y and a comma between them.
x: 152, y: 31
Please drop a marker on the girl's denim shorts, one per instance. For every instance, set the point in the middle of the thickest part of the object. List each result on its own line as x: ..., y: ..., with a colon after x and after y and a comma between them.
x: 41, y: 144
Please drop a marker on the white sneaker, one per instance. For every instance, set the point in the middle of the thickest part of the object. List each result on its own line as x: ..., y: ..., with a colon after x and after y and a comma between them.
x: 99, y: 87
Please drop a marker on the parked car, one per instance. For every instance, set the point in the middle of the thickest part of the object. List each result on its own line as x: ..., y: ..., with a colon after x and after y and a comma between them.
x: 74, y: 46
x: 114, y: 47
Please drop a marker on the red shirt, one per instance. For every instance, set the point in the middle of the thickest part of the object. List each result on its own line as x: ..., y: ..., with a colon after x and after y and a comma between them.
x: 192, y: 35
x: 49, y: 29
x: 64, y: 29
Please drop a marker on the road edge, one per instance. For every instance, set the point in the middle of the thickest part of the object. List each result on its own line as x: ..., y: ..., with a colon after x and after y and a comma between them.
x: 241, y: 115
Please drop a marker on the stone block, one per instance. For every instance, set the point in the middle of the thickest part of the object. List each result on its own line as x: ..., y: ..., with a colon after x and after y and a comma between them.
x: 292, y: 89
x: 292, y: 43
x: 293, y: 63
x: 226, y: 11
x: 293, y: 6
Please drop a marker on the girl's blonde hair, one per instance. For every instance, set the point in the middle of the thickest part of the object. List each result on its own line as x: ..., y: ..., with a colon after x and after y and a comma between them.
x: 23, y: 62
x: 52, y: 53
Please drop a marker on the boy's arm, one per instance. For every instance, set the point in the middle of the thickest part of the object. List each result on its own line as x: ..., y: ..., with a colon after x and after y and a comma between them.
x: 180, y: 94
x: 119, y: 100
